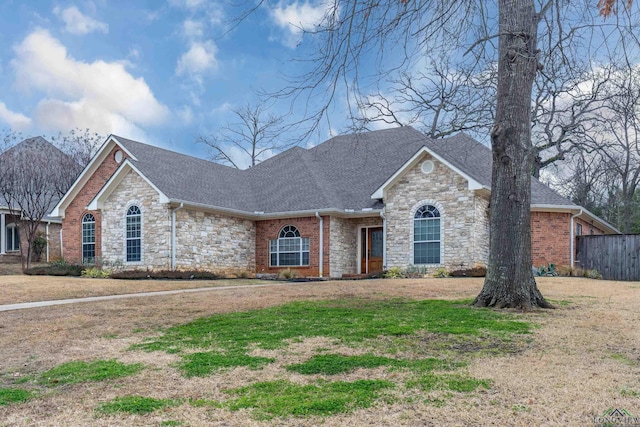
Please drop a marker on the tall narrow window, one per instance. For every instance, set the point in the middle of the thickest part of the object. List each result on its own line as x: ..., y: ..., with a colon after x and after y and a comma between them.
x: 426, y: 235
x: 289, y: 249
x: 88, y: 239
x: 13, y: 238
x: 134, y: 234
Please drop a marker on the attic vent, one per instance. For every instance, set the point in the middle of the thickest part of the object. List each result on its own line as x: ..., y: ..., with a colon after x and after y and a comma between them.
x: 427, y: 167
x: 118, y: 156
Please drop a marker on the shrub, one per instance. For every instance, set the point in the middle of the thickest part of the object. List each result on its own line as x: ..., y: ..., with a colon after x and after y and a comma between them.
x: 478, y: 271
x: 58, y: 269
x: 287, y: 274
x: 164, y: 274
x: 39, y: 245
x: 413, y: 271
x: 96, y: 273
x: 592, y: 274
x: 394, y: 273
x: 441, y: 273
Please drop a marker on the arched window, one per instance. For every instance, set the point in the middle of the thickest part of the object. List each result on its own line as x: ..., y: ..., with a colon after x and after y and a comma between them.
x: 426, y: 235
x: 289, y: 249
x: 134, y: 234
x: 88, y: 238
x: 13, y: 238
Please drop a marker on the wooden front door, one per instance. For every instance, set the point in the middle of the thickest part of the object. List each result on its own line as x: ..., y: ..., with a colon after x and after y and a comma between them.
x: 372, y: 244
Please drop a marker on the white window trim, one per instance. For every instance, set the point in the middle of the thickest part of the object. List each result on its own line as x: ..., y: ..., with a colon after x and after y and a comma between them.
x: 15, y: 227
x: 301, y: 252
x: 83, y: 243
x: 413, y: 211
x: 129, y: 205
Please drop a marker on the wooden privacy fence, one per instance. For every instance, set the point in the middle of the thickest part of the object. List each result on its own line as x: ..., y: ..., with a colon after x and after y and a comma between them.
x: 616, y: 257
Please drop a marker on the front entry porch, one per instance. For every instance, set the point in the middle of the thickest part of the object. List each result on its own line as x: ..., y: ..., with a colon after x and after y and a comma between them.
x: 371, y: 242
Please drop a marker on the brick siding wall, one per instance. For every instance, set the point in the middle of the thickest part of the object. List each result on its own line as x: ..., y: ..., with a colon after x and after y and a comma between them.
x: 308, y: 227
x: 550, y: 238
x: 72, y: 222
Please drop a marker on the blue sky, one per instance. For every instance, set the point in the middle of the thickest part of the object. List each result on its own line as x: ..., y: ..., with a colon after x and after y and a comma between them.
x: 161, y: 72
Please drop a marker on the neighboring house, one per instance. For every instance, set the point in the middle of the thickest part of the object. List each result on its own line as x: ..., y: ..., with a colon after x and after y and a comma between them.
x: 353, y: 204
x: 11, y: 218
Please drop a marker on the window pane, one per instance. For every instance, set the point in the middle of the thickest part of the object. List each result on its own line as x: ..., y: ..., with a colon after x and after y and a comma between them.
x: 426, y: 253
x: 274, y: 259
x: 305, y: 258
x: 289, y: 245
x: 133, y: 250
x: 289, y: 259
x: 305, y: 244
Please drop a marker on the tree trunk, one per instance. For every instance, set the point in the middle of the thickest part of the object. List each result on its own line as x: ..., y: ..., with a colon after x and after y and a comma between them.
x: 510, y: 282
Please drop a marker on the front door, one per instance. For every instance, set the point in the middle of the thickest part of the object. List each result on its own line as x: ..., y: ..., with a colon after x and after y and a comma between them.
x: 372, y: 243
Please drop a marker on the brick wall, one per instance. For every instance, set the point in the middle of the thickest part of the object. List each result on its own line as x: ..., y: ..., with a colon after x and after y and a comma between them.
x: 550, y: 238
x: 308, y: 227
x: 53, y: 242
x: 72, y: 222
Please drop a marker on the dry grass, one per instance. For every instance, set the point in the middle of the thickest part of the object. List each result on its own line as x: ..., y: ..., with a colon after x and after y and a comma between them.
x: 22, y: 288
x: 583, y: 357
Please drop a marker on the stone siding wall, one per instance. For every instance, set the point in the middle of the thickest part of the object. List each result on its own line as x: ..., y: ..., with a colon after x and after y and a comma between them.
x: 156, y: 225
x: 214, y: 242
x: 448, y: 191
x: 344, y: 243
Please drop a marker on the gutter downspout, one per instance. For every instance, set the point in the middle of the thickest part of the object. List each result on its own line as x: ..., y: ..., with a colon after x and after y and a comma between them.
x: 173, y: 236
x: 384, y: 239
x: 61, y: 245
x: 321, y: 244
x: 47, y: 235
x: 573, y: 237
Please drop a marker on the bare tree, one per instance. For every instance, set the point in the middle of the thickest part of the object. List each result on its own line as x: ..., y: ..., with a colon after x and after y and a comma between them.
x: 28, y: 175
x: 616, y: 133
x: 255, y: 135
x: 397, y: 34
x: 439, y: 100
x: 79, y: 145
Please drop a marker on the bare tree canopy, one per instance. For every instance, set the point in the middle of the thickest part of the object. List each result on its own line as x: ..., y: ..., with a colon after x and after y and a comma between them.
x: 362, y: 44
x: 35, y: 174
x: 255, y: 135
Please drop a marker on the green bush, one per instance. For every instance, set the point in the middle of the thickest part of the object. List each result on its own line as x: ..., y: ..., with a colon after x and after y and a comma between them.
x: 96, y: 273
x: 39, y: 245
x: 394, y: 273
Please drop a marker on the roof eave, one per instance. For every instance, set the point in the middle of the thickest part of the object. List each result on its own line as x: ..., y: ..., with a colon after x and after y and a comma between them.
x: 87, y: 172
x: 380, y: 191
x: 576, y: 210
x: 116, y: 179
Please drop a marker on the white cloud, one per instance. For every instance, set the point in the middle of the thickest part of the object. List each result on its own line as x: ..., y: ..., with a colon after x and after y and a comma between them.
x: 100, y: 95
x: 78, y: 23
x: 185, y: 114
x: 187, y: 4
x: 16, y: 121
x: 201, y: 57
x: 192, y: 29
x: 297, y: 17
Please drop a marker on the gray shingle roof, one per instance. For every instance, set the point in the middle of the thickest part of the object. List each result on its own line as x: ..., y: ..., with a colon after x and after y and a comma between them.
x: 341, y: 173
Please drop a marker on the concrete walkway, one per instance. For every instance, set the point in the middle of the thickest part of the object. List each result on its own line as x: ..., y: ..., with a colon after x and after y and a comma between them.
x: 36, y: 304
